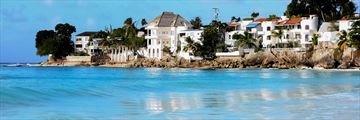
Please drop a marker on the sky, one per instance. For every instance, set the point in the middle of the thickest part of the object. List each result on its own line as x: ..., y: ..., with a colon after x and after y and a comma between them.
x: 21, y: 19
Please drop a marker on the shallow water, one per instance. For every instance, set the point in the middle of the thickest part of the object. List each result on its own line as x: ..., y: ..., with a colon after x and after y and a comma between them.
x: 118, y: 93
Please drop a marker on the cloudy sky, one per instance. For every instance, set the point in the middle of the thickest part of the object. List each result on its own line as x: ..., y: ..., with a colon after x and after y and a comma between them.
x: 21, y: 19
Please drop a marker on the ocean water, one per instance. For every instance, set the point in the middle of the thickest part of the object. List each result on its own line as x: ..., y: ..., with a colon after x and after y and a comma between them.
x: 45, y: 93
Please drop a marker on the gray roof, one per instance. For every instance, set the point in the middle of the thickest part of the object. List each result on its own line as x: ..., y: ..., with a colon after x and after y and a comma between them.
x: 169, y: 19
x: 86, y: 33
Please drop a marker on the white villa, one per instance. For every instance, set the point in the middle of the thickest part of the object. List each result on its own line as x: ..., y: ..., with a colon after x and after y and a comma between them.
x: 294, y: 29
x: 164, y: 31
x: 82, y: 43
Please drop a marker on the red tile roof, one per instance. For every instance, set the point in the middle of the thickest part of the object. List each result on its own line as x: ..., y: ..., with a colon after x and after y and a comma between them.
x: 294, y: 21
x: 280, y: 23
x: 344, y: 18
x: 233, y: 24
x: 260, y: 19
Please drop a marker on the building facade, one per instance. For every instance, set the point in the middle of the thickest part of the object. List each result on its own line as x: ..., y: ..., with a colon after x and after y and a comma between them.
x: 163, y: 32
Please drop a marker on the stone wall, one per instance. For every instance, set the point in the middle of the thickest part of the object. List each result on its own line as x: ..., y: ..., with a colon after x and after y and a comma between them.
x: 78, y: 58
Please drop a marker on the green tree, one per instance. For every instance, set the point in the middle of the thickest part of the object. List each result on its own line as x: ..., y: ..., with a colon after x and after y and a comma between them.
x: 192, y: 46
x: 343, y: 41
x: 58, y: 42
x: 210, y: 38
x: 235, y: 19
x: 277, y: 33
x: 196, y: 22
x: 254, y: 15
x: 327, y: 10
x: 354, y: 35
x: 245, y: 40
x: 315, y: 40
x: 143, y: 22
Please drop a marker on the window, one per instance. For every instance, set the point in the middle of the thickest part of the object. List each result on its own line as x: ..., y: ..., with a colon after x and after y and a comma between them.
x: 297, y: 36
x: 78, y: 39
x: 268, y: 37
x: 307, y: 27
x: 268, y: 28
x: 182, y: 34
x: 153, y: 51
x: 78, y: 46
x: 306, y: 37
x: 229, y: 36
x: 158, y: 53
x: 299, y: 26
x: 149, y: 41
x: 287, y: 36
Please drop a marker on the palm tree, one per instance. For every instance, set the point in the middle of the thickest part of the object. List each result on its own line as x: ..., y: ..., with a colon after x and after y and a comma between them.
x: 343, y: 40
x: 314, y: 39
x: 277, y: 33
x: 245, y: 40
x: 254, y: 15
x: 191, y: 46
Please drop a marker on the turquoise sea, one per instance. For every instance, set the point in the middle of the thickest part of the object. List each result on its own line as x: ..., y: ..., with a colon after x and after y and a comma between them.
x: 43, y: 93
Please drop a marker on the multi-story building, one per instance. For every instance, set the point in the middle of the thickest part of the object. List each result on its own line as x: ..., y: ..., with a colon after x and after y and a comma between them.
x: 82, y: 42
x: 300, y: 30
x: 163, y: 32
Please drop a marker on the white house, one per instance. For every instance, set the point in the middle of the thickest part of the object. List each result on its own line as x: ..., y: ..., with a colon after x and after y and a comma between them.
x: 163, y: 32
x: 267, y: 27
x: 82, y: 42
x: 328, y: 32
x: 345, y: 24
x: 298, y: 30
x: 195, y: 35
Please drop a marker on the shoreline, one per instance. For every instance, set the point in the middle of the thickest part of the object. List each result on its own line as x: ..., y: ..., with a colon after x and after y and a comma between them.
x: 198, y: 68
x: 319, y: 59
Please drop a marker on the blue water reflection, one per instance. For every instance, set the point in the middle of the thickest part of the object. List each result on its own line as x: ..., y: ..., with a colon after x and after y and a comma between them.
x: 117, y: 93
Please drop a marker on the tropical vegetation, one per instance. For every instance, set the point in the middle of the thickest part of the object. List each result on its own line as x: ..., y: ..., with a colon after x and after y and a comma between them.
x: 57, y: 43
x: 327, y: 10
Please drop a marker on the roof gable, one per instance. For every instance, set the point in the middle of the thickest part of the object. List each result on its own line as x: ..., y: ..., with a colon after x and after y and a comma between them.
x: 169, y: 19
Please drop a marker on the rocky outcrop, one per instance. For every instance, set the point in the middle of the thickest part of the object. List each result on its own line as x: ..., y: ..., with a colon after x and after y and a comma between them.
x: 321, y: 58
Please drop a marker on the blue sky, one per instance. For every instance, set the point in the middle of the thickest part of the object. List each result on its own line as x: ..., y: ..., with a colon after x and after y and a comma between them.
x: 21, y: 19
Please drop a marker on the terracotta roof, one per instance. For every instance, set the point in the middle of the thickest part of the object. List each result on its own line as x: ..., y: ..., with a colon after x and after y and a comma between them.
x: 344, y: 18
x: 294, y: 21
x: 233, y: 24
x: 260, y: 19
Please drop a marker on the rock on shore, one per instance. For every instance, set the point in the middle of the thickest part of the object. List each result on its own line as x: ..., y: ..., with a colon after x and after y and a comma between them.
x: 321, y: 58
